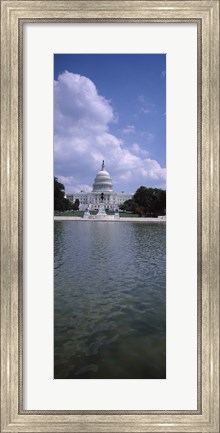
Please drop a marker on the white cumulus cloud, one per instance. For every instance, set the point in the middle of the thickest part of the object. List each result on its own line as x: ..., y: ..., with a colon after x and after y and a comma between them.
x: 130, y: 129
x: 82, y: 139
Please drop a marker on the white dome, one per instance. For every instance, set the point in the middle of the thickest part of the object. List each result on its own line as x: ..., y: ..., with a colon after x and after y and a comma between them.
x: 103, y: 182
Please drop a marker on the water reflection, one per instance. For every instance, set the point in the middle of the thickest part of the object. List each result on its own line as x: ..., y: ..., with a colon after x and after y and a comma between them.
x: 109, y: 303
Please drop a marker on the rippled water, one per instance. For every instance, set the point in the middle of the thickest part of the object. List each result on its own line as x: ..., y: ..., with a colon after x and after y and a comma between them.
x: 110, y: 300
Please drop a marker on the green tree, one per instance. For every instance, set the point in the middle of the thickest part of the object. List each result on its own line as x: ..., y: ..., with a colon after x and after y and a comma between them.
x: 147, y: 202
x: 128, y: 205
x: 76, y: 204
x: 60, y: 202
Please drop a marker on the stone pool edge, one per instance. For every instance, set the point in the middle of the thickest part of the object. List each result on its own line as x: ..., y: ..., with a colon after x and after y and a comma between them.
x: 124, y: 219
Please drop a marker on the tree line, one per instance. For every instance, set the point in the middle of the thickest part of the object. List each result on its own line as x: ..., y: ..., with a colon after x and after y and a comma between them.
x: 149, y: 202
x: 60, y: 202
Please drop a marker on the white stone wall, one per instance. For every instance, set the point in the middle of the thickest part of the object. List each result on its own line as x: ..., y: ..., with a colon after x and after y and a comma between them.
x: 92, y: 200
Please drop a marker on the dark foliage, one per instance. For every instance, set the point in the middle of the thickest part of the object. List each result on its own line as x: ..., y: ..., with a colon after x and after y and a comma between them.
x: 60, y: 202
x: 149, y: 202
x: 75, y: 205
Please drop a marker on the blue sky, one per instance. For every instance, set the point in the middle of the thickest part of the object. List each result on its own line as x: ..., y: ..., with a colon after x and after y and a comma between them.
x: 110, y: 107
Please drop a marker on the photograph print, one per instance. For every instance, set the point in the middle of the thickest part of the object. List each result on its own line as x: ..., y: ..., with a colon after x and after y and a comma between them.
x: 109, y: 216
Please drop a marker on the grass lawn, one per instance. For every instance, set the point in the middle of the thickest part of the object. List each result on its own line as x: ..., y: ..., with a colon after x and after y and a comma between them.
x: 71, y: 213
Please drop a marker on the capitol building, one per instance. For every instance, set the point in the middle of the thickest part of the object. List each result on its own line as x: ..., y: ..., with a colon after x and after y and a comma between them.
x: 102, y: 192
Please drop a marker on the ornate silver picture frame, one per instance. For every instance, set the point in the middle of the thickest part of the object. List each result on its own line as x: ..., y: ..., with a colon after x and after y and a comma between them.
x: 14, y: 14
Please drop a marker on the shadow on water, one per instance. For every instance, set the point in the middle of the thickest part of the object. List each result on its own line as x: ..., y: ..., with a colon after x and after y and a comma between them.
x: 109, y: 300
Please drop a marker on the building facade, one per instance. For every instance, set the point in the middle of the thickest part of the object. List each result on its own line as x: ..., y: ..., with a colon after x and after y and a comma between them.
x: 102, y: 192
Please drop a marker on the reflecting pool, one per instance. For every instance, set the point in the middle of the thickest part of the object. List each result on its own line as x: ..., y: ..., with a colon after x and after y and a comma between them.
x: 109, y: 300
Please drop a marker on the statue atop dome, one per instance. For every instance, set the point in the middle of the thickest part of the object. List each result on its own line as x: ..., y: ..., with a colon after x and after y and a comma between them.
x: 103, y: 165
